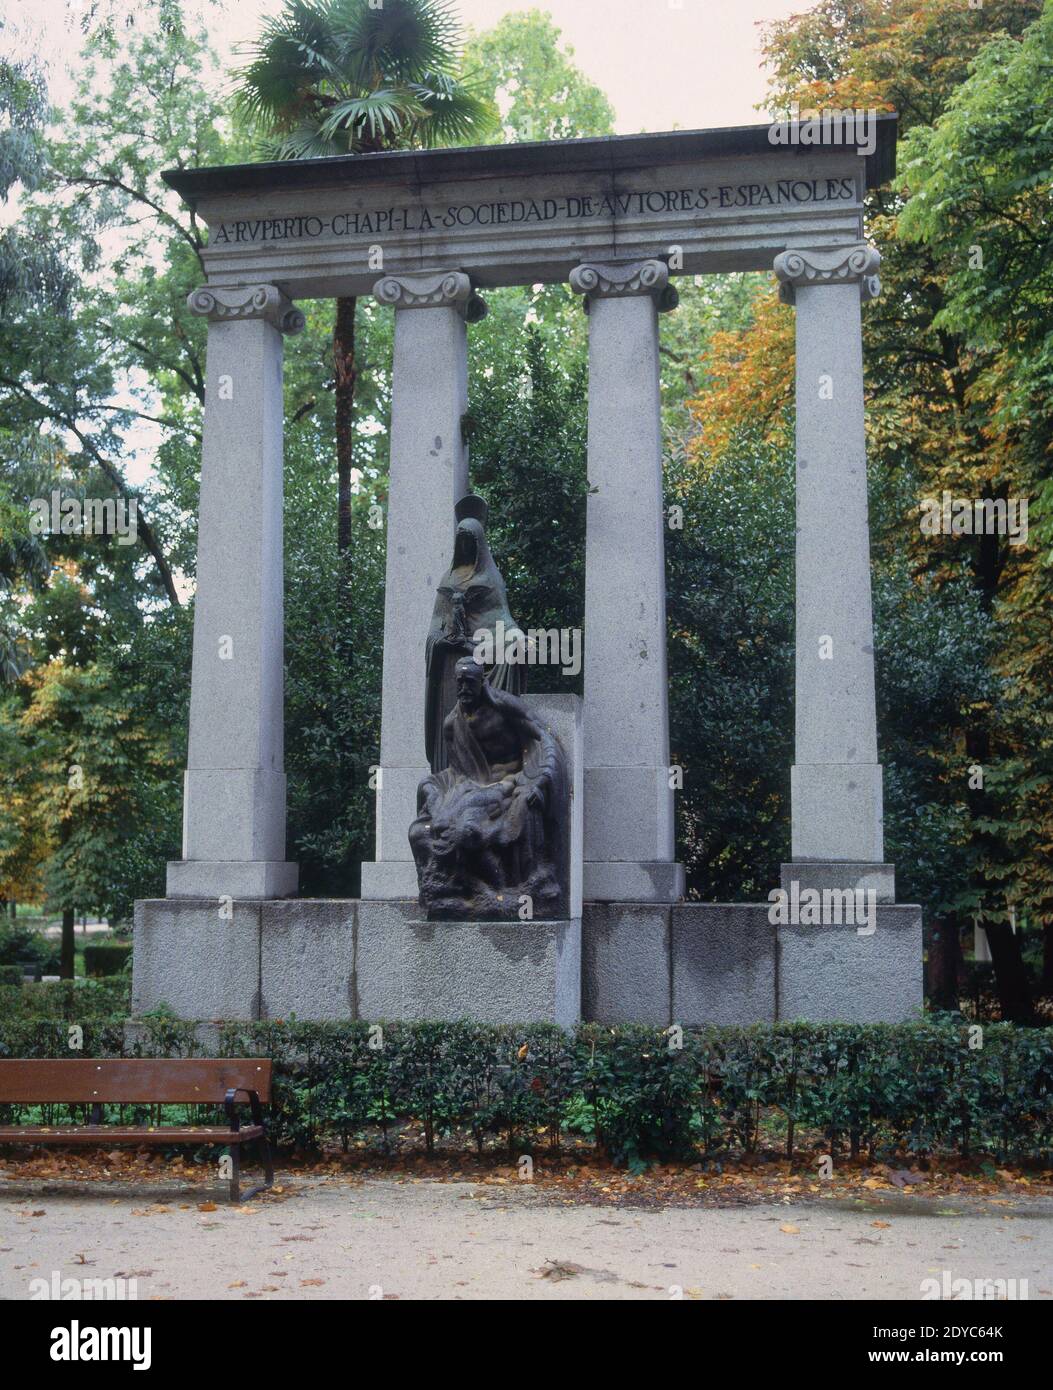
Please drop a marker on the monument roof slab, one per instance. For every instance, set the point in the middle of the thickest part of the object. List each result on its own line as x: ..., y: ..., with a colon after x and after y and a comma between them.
x: 725, y: 199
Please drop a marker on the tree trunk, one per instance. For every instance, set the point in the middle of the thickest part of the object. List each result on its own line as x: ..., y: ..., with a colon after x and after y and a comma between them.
x: 1014, y: 995
x: 945, y: 951
x: 67, y: 969
x: 1047, y: 960
x: 1007, y: 961
x: 345, y: 373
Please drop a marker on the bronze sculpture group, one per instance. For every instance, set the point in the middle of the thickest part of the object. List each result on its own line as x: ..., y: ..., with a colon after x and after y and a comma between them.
x: 490, y: 836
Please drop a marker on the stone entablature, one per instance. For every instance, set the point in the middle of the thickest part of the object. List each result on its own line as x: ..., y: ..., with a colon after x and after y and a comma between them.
x: 520, y: 214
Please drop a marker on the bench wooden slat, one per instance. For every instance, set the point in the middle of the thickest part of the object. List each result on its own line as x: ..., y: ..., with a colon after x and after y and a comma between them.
x: 193, y: 1081
x: 123, y: 1134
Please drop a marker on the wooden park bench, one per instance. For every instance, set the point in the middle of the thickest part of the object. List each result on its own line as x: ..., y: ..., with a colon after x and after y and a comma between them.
x: 214, y: 1081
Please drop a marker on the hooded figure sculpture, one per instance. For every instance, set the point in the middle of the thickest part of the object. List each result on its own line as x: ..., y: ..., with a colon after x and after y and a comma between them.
x: 490, y: 833
x: 471, y: 599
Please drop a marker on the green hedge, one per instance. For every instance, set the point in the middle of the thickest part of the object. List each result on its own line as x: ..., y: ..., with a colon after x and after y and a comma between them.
x: 27, y: 952
x: 919, y: 1087
x: 107, y: 958
x: 78, y: 1001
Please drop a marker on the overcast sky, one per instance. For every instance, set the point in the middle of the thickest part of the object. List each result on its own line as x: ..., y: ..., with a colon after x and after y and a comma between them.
x: 662, y: 63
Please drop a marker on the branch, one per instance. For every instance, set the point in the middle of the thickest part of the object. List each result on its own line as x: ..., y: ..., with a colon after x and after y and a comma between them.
x: 96, y: 181
x: 144, y: 530
x: 154, y: 419
x: 192, y: 382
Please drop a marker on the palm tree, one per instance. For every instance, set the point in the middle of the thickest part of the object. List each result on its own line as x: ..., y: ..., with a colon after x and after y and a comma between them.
x: 338, y: 77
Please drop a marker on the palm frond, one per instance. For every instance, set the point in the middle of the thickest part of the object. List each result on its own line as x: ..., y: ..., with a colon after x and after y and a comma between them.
x: 340, y: 76
x: 374, y: 115
x: 454, y: 114
x: 293, y: 54
x: 402, y: 39
x: 305, y: 142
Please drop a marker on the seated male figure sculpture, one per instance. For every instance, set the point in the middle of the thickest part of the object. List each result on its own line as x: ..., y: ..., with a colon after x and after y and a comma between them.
x: 490, y: 833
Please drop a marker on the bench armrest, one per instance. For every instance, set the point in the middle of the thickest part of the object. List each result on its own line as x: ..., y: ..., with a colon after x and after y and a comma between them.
x: 253, y: 1099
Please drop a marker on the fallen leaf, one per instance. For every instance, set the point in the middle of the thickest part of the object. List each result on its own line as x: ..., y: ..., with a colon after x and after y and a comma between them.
x: 558, y: 1269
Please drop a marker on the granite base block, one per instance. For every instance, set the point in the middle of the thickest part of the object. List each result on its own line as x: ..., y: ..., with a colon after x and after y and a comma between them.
x: 489, y: 972
x: 191, y: 959
x: 723, y: 964
x: 836, y: 974
x: 625, y: 963
x: 652, y: 964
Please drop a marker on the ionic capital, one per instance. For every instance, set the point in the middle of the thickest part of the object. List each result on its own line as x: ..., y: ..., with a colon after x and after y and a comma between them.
x: 432, y: 289
x: 619, y: 279
x: 839, y: 265
x: 221, y: 303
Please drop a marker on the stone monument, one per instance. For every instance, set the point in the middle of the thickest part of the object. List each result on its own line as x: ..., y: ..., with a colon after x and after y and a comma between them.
x: 616, y: 218
x: 490, y: 837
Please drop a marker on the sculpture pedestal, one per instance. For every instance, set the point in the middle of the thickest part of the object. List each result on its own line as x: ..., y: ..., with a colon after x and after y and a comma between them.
x: 490, y: 972
x: 687, y: 963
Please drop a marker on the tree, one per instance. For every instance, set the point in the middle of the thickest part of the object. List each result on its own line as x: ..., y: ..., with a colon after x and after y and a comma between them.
x: 338, y: 77
x: 89, y: 770
x: 980, y: 182
x: 531, y: 79
x: 29, y: 269
x: 933, y: 407
x: 97, y: 661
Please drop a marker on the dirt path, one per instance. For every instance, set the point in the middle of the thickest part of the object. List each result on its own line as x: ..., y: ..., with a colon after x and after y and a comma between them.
x: 429, y: 1240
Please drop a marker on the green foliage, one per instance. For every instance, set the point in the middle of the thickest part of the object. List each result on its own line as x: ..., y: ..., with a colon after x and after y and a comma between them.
x: 28, y: 269
x: 95, y: 642
x: 107, y: 958
x: 38, y: 1016
x: 26, y: 952
x: 333, y: 77
x: 533, y: 82
x: 528, y: 450
x: 934, y: 1086
x: 730, y: 609
x: 979, y: 182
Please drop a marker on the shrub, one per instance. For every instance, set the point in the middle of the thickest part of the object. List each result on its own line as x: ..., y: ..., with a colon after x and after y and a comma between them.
x: 107, y: 958
x: 31, y: 953
x: 641, y: 1093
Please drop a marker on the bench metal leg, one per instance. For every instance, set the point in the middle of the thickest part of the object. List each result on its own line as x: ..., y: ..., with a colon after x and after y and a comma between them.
x: 235, y: 1172
x: 268, y: 1168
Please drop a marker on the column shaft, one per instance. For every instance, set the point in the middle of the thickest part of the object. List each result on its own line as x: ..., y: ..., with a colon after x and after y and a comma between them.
x: 629, y: 808
x: 836, y: 782
x: 428, y: 475
x: 234, y: 791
